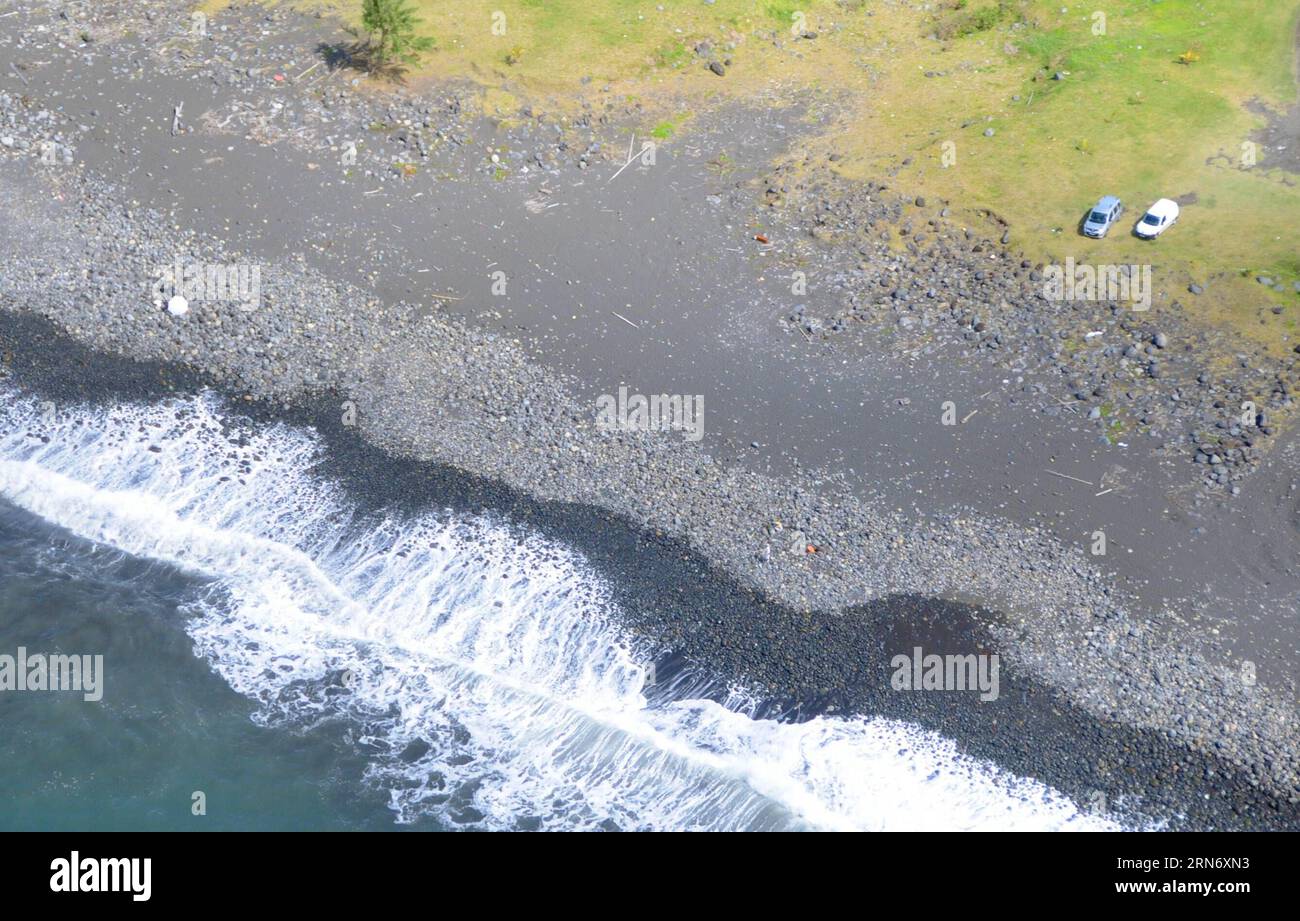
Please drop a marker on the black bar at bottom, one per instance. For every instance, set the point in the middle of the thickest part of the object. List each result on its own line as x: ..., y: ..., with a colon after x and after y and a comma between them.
x: 335, y: 871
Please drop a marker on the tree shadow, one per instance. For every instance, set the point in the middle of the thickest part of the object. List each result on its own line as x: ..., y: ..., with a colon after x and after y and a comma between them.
x: 359, y: 55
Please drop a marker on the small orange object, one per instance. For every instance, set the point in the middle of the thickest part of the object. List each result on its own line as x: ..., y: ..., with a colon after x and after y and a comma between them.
x: 761, y: 238
x: 812, y: 549
x: 279, y: 78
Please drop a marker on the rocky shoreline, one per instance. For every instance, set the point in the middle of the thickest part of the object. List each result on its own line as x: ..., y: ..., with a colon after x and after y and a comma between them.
x: 708, y: 634
x: 907, y: 272
x: 438, y: 390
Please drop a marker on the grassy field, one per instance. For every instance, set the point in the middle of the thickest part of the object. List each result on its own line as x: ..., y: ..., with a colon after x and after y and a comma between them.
x: 1128, y: 118
x: 1151, y: 102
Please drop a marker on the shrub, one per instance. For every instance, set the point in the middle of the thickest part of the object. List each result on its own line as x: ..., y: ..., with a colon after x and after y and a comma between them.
x: 390, y: 26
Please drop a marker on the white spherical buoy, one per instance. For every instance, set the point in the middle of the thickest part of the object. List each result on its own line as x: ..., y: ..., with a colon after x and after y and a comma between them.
x: 178, y: 306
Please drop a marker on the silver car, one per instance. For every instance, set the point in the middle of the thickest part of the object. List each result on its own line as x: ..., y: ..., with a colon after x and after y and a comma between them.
x: 1105, y: 213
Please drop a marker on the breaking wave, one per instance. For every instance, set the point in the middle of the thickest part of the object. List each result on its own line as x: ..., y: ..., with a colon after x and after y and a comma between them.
x: 480, y: 667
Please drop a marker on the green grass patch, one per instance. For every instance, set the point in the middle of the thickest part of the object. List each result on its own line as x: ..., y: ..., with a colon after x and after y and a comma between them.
x: 672, y: 54
x: 783, y: 11
x: 965, y: 19
x: 662, y: 131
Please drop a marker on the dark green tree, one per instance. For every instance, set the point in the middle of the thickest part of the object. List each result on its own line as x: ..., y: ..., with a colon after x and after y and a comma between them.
x: 390, y: 26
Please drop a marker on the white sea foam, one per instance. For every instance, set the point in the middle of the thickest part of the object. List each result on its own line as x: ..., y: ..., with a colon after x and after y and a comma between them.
x: 480, y: 666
